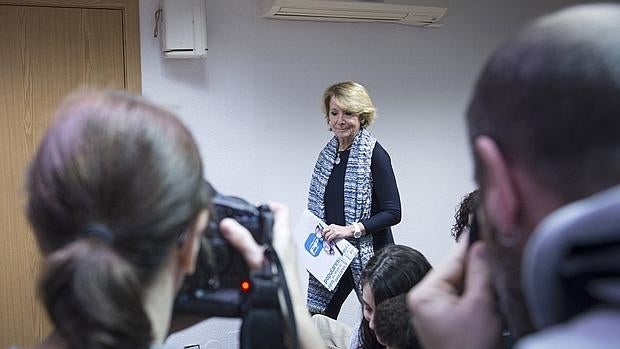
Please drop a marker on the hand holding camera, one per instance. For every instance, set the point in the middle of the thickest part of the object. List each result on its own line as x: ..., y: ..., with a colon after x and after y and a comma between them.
x: 238, y: 229
x: 236, y: 233
x: 239, y: 274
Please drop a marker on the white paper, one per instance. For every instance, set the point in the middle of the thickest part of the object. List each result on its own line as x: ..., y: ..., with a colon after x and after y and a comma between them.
x: 327, y: 267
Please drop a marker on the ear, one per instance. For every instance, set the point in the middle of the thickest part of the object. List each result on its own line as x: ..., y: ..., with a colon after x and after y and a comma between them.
x: 499, y: 194
x: 189, y: 247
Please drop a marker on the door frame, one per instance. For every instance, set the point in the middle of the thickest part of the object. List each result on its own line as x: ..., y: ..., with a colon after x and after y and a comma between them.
x: 131, y: 32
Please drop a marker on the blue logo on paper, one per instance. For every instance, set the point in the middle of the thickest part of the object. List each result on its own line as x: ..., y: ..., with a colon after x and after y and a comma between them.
x: 313, y: 245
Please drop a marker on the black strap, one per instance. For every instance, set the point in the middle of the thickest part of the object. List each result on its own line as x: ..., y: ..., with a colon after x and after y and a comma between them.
x: 262, y: 322
x: 262, y: 325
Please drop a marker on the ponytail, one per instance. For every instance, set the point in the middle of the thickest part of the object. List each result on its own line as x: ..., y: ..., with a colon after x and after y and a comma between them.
x: 93, y: 297
x: 114, y: 182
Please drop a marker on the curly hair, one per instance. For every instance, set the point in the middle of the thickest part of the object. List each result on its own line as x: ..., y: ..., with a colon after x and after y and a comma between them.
x: 461, y: 217
x: 392, y: 323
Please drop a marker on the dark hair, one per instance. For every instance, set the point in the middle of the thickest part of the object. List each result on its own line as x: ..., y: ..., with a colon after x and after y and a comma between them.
x: 112, y: 187
x: 550, y: 98
x: 394, y: 270
x: 461, y: 217
x: 392, y: 323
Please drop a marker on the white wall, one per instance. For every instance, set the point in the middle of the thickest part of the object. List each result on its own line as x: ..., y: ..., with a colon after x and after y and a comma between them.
x: 254, y: 107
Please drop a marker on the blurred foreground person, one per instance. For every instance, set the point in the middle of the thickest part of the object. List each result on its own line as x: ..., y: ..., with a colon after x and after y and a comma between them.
x: 118, y: 203
x: 543, y: 123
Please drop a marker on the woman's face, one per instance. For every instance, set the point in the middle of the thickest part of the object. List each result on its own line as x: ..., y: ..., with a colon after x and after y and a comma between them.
x: 344, y: 124
x: 368, y: 298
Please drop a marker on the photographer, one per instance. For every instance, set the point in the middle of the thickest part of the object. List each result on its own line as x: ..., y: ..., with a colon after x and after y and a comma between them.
x: 114, y: 197
x: 543, y: 127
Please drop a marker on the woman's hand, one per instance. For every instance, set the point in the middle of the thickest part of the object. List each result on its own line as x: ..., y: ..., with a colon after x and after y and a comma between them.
x: 240, y: 238
x: 284, y: 244
x: 334, y: 231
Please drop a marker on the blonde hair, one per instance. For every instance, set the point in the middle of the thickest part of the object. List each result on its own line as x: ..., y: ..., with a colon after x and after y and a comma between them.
x: 351, y: 97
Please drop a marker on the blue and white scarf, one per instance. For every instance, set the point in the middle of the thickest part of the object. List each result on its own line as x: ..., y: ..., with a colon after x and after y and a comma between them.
x: 357, y: 206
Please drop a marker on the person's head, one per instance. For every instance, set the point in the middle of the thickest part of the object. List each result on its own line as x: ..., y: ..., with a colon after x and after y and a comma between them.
x: 394, y: 270
x: 463, y: 214
x: 117, y: 201
x: 347, y: 108
x: 392, y: 326
x: 543, y: 122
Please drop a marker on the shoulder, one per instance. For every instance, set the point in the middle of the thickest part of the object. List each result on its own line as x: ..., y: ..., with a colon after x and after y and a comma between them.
x: 380, y: 155
x: 160, y: 346
x: 355, y: 341
x: 593, y: 330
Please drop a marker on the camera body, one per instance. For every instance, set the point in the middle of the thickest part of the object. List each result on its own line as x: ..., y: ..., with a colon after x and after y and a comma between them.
x: 215, y: 289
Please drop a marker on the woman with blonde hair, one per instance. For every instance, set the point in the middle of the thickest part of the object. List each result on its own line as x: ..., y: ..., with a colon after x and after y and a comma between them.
x: 353, y: 189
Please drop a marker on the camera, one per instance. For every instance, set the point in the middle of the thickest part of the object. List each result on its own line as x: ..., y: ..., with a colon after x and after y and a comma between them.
x: 474, y: 228
x: 220, y: 284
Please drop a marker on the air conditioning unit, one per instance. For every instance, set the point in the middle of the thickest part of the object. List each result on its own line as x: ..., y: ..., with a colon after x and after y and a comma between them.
x: 182, y: 28
x: 351, y: 11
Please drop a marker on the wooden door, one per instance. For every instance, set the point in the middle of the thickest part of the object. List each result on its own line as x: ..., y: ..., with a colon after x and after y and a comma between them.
x: 49, y: 48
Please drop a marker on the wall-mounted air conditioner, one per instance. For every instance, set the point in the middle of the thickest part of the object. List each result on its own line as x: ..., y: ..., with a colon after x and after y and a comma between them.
x: 350, y: 11
x: 182, y: 28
